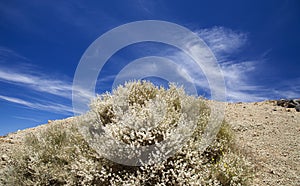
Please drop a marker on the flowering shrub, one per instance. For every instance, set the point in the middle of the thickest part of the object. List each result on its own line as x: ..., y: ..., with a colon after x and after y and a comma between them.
x: 158, y: 129
x: 140, y: 123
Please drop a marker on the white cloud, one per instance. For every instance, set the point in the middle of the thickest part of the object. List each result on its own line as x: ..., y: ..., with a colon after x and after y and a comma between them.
x: 54, y: 108
x: 236, y: 77
x: 15, y: 100
x: 37, y: 83
x: 223, y: 40
x: 287, y: 88
x: 45, y: 86
x: 28, y: 118
x: 29, y: 83
x: 237, y: 74
x: 238, y: 84
x: 6, y: 53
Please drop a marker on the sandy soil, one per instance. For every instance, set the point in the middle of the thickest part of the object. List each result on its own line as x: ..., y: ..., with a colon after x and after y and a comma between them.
x: 268, y: 135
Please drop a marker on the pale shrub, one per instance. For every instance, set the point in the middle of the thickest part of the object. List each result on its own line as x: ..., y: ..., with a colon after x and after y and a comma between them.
x: 137, y: 114
x: 142, y: 123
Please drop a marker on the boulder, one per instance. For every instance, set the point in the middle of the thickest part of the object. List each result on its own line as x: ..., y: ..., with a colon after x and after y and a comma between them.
x: 289, y: 103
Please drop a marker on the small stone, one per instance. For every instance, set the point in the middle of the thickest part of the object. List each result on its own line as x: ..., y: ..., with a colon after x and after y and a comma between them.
x: 4, y: 157
x: 255, y: 134
x: 272, y: 172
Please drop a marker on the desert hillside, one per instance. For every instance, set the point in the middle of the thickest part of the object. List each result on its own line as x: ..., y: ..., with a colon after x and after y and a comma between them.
x: 268, y: 135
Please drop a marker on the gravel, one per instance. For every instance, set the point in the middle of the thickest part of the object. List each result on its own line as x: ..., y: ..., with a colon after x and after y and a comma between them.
x: 270, y: 137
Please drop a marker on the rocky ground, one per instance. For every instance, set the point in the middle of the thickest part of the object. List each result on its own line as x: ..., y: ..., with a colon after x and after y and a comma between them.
x: 268, y: 135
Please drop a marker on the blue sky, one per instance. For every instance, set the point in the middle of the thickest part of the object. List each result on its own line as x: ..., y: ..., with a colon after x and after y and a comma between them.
x: 256, y: 44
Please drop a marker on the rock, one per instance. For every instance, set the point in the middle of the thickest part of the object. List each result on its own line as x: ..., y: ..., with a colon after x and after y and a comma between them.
x: 289, y: 103
x: 297, y: 108
x: 272, y: 172
x: 297, y: 100
x: 4, y: 157
x: 281, y: 102
x: 255, y: 134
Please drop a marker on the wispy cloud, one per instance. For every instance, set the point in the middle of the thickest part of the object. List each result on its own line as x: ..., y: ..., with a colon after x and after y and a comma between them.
x: 223, y: 40
x: 54, y: 108
x: 26, y: 79
x: 226, y: 43
x: 238, y: 85
x: 28, y: 118
x: 6, y: 55
x: 287, y: 88
x: 238, y: 82
x: 238, y: 73
x: 39, y: 83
